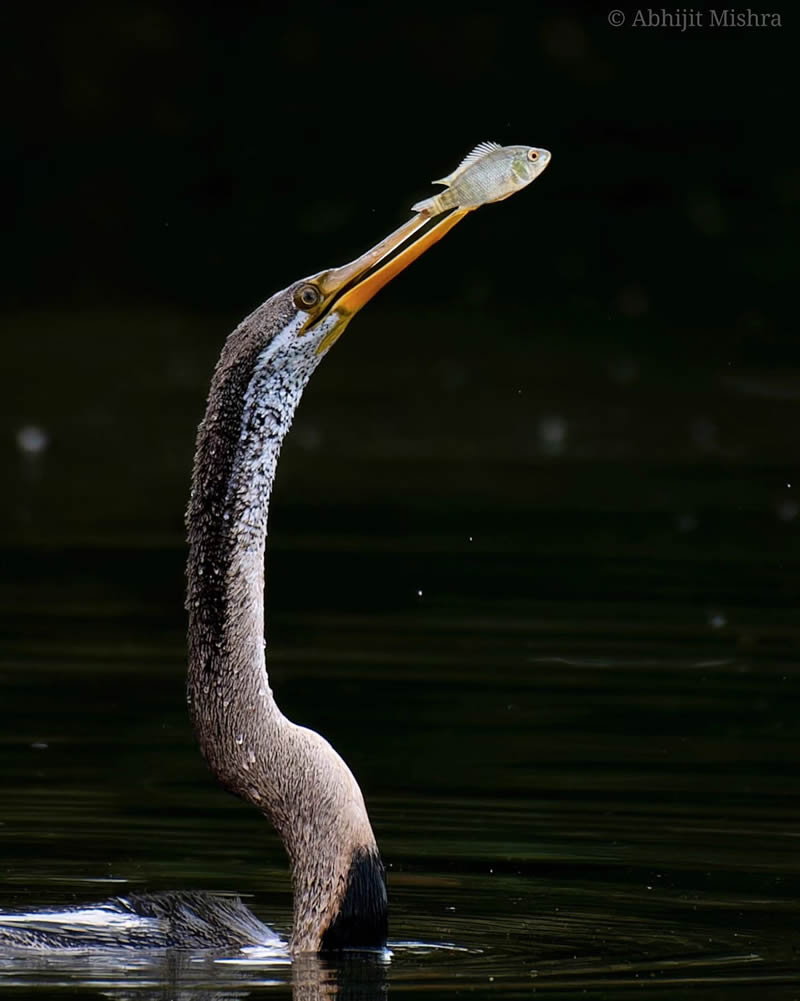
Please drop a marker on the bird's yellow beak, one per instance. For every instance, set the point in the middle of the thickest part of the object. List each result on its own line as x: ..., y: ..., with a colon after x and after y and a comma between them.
x: 345, y: 290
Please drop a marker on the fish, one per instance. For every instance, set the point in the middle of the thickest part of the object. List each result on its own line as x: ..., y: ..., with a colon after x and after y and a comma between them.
x: 489, y: 173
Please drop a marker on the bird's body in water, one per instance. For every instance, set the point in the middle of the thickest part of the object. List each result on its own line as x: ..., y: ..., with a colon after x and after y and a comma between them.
x: 288, y: 772
x: 183, y: 919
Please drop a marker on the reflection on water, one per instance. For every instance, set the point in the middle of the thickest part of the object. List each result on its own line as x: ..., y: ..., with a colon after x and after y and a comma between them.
x: 560, y: 654
x: 571, y: 799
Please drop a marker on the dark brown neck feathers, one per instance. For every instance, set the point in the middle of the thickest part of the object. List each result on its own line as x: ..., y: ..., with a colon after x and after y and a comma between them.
x: 289, y: 772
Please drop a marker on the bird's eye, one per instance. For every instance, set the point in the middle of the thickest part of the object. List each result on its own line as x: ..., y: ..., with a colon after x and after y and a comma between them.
x: 307, y: 297
x: 533, y: 154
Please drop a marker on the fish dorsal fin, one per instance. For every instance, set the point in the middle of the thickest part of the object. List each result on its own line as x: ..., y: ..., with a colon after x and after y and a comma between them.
x: 480, y: 150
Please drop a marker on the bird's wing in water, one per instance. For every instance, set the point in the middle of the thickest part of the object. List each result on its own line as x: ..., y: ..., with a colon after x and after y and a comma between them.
x: 93, y: 926
x: 204, y: 920
x: 183, y: 920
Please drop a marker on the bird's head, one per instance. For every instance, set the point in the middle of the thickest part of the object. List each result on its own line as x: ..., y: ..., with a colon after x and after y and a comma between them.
x: 324, y: 304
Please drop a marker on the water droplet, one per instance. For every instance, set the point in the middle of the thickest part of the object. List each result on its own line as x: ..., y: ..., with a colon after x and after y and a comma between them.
x: 32, y: 440
x: 553, y: 434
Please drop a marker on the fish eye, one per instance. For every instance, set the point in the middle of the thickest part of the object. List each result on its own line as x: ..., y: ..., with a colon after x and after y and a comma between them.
x: 307, y: 297
x: 533, y: 154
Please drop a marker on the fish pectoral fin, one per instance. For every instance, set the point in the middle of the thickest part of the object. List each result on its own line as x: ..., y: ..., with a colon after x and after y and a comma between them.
x: 446, y: 181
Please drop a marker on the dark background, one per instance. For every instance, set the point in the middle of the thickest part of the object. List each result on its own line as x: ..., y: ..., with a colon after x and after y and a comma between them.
x: 534, y: 547
x: 199, y: 159
x: 619, y: 338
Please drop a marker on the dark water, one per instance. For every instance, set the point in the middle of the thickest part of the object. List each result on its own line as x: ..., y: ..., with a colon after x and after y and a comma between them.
x: 578, y: 743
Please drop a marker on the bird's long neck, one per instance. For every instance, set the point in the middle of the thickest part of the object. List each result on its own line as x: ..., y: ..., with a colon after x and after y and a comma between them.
x: 288, y: 772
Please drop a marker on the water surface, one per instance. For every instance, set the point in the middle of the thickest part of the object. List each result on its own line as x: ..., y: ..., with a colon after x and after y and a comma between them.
x: 560, y: 654
x: 571, y: 798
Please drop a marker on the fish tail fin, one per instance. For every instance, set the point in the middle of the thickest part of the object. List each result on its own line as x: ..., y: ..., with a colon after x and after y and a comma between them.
x: 427, y: 205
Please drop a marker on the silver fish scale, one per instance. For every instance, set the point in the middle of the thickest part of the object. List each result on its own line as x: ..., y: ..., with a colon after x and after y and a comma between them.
x: 479, y: 184
x: 487, y: 176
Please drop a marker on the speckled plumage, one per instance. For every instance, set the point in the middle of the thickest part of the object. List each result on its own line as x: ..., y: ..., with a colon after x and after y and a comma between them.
x: 289, y: 772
